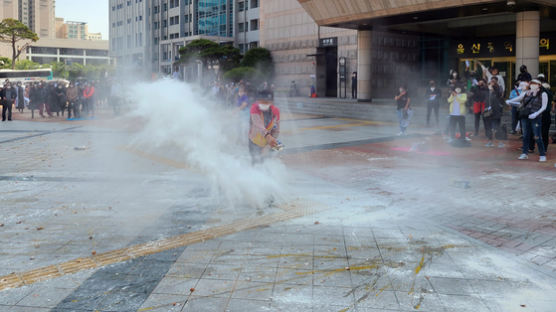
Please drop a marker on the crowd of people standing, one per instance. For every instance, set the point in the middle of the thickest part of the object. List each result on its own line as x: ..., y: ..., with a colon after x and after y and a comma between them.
x: 483, y: 95
x: 54, y: 98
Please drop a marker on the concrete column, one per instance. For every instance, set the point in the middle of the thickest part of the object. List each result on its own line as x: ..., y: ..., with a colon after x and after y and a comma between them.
x: 364, y: 65
x: 527, y: 41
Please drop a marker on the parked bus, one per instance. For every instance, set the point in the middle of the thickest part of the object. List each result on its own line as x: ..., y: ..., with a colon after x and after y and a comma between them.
x: 26, y: 75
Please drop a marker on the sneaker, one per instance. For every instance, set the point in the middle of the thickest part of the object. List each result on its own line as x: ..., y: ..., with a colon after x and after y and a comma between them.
x: 489, y: 144
x: 523, y: 156
x: 542, y: 159
x: 501, y: 145
x: 467, y: 139
x: 400, y: 134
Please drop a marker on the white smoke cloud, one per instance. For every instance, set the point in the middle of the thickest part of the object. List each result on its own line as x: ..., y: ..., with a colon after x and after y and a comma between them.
x: 181, y: 122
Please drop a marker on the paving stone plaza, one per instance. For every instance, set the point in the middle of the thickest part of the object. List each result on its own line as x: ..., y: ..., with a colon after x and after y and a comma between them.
x: 362, y: 220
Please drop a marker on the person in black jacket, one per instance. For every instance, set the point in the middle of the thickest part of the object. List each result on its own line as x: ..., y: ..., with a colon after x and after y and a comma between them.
x: 524, y: 75
x: 61, y: 98
x: 493, y: 112
x: 432, y: 96
x: 479, y: 99
x: 354, y: 85
x: 8, y: 97
x: 43, y: 100
x: 20, y: 99
x: 52, y: 99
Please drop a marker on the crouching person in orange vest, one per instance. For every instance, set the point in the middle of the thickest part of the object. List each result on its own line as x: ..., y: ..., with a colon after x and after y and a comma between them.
x: 264, y: 126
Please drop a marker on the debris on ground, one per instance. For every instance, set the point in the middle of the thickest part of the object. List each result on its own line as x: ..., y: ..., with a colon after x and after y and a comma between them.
x: 462, y: 184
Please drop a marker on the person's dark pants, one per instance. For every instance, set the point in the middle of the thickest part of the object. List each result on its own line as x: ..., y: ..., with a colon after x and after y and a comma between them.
x: 6, y: 107
x: 73, y: 106
x: 46, y: 107
x: 545, y: 130
x: 532, y: 126
x: 432, y: 106
x: 460, y: 122
x: 477, y: 123
x: 491, y: 127
x: 354, y: 92
x: 515, y: 118
x: 85, y: 106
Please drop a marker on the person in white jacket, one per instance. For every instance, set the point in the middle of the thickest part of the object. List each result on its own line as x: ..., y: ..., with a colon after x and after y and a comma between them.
x: 532, y: 104
x: 490, y: 72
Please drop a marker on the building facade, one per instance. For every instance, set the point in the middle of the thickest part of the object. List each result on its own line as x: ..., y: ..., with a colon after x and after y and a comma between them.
x: 38, y: 15
x: 130, y: 39
x: 161, y: 27
x: 74, y: 30
x: 176, y: 23
x: 305, y: 53
x: 69, y: 51
x: 405, y: 42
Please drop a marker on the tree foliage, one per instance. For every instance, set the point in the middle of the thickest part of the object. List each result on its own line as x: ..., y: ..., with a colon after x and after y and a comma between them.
x: 260, y: 59
x: 257, y: 57
x: 77, y: 70
x: 240, y: 73
x: 18, y: 35
x: 210, y: 53
x: 59, y: 70
x: 5, y: 63
x: 27, y: 65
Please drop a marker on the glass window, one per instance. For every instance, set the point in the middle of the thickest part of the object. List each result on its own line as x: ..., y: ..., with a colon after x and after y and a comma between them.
x: 213, y: 18
x: 254, y: 24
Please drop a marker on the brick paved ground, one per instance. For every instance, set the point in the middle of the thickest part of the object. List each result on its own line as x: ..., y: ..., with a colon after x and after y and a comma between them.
x: 395, y: 224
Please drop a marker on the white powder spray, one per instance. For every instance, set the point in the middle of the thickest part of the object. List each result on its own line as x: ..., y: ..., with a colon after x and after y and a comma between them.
x: 178, y: 120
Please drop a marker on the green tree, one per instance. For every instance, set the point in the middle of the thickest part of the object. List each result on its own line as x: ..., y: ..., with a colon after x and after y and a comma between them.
x: 5, y: 63
x: 210, y: 53
x: 75, y: 71
x: 18, y: 35
x: 260, y: 59
x: 240, y: 73
x: 26, y: 65
x: 197, y: 50
x: 59, y: 70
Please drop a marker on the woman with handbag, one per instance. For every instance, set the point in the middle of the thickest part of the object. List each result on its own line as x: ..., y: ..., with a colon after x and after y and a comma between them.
x: 531, y: 105
x: 493, y: 112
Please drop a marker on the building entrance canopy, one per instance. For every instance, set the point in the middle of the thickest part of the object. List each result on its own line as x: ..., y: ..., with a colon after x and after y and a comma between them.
x: 447, y: 31
x: 368, y: 14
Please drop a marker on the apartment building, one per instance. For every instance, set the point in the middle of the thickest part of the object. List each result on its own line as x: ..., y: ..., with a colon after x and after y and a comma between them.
x: 130, y: 40
x: 74, y: 30
x: 167, y: 25
x: 38, y: 15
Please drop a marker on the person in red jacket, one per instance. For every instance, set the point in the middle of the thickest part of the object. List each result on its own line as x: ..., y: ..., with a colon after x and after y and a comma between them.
x: 88, y: 96
x: 265, y: 126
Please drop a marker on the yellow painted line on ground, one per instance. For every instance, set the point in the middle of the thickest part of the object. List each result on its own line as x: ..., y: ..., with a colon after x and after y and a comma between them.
x: 16, y: 280
x: 355, y: 123
x: 370, y: 122
x: 156, y: 158
x: 350, y: 125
